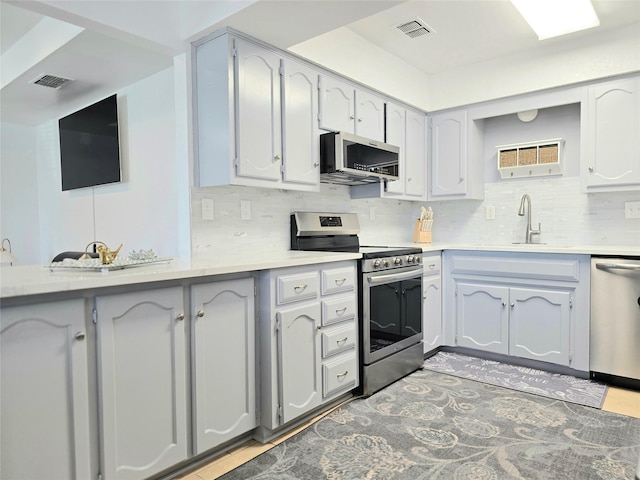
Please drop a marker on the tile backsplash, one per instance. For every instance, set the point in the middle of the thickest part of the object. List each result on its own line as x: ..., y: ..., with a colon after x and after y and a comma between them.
x: 567, y: 216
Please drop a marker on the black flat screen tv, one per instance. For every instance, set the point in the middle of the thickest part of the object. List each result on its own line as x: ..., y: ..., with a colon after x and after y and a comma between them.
x: 89, y: 146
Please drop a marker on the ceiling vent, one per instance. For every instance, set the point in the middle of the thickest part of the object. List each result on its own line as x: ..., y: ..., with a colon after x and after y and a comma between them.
x: 50, y: 81
x: 415, y: 28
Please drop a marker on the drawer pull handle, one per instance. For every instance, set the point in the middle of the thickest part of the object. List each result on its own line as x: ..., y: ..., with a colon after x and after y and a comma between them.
x: 340, y: 281
x: 340, y: 311
x: 300, y: 288
x: 80, y: 336
x: 344, y: 374
x: 343, y: 340
x: 432, y: 266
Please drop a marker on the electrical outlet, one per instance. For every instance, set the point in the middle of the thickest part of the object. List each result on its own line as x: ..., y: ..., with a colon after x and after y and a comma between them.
x: 245, y: 210
x: 631, y: 209
x: 490, y: 212
x: 207, y: 209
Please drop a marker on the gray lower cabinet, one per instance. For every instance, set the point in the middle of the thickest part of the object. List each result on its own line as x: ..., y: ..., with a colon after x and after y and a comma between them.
x: 432, y: 302
x: 533, y: 306
x: 142, y: 382
x: 527, y: 323
x: 44, y: 426
x: 223, y: 361
x: 308, y: 341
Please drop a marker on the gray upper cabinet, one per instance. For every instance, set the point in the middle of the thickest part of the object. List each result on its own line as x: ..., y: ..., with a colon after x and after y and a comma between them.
x: 406, y: 129
x: 456, y: 166
x: 300, y: 132
x: 255, y: 117
x: 610, y: 139
x: 223, y: 361
x: 345, y: 108
x: 142, y: 383
x: 258, y: 123
x: 45, y: 392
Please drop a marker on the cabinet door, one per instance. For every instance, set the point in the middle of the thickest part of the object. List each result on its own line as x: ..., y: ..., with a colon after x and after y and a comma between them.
x: 142, y: 382
x: 449, y: 153
x: 396, y: 133
x: 482, y: 318
x: 258, y: 128
x: 540, y: 324
x: 44, y: 430
x: 337, y: 103
x: 299, y: 355
x: 369, y: 116
x: 223, y: 339
x: 301, y: 136
x: 611, y: 155
x: 432, y: 313
x: 415, y: 155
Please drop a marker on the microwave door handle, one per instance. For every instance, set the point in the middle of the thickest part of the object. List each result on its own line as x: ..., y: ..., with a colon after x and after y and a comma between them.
x: 393, y: 277
x: 618, y: 266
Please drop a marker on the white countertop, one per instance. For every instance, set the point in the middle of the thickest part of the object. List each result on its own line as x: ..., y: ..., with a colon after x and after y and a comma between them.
x: 36, y: 280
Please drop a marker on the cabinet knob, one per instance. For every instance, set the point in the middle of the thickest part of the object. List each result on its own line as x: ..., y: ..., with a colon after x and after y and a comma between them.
x: 591, y: 169
x: 351, y: 117
x: 316, y: 164
x: 513, y: 305
x: 277, y: 157
x: 200, y: 313
x: 504, y: 304
x: 359, y: 119
x: 180, y: 317
x: 409, y: 179
x: 80, y: 335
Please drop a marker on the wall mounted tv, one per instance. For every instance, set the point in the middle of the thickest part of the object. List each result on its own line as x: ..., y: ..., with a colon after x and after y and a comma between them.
x: 89, y: 147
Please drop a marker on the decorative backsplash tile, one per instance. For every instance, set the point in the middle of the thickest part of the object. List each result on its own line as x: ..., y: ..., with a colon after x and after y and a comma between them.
x: 567, y: 216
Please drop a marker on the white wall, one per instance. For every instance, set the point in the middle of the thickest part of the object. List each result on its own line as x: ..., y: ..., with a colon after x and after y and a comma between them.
x: 149, y: 209
x: 19, y: 214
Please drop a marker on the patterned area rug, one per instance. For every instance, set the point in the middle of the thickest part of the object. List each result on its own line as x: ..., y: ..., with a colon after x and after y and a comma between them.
x: 430, y: 425
x: 552, y: 385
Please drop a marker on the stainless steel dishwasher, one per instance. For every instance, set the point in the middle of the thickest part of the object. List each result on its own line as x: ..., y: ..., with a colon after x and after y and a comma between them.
x: 615, y: 321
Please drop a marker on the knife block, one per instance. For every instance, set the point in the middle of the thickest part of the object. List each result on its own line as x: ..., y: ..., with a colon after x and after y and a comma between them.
x: 420, y: 236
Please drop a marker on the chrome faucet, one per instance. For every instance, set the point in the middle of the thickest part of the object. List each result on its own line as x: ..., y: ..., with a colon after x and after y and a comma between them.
x: 527, y: 199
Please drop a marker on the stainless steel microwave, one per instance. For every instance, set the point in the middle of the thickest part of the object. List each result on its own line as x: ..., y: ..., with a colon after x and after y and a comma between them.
x: 349, y: 159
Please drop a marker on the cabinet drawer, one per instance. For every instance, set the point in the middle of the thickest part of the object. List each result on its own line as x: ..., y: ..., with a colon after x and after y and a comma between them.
x: 338, y: 339
x: 338, y: 280
x: 338, y: 310
x: 431, y: 265
x: 339, y: 375
x: 295, y: 287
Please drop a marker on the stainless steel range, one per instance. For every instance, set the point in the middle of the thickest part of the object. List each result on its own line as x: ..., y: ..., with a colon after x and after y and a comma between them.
x: 389, y: 293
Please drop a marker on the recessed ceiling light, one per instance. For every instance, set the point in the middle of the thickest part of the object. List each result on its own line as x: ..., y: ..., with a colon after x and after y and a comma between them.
x: 552, y: 18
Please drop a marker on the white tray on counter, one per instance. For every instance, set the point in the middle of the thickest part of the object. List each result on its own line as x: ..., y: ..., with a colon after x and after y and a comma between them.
x: 94, y: 264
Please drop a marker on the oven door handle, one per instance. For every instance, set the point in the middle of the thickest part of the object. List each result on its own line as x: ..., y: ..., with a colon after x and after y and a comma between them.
x: 394, y: 277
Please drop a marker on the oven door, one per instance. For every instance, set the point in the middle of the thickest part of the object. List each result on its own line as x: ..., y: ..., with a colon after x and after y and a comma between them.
x: 391, y: 312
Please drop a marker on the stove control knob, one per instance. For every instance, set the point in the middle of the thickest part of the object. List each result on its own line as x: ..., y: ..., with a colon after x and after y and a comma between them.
x: 397, y: 261
x: 386, y: 262
x: 418, y: 259
x: 409, y: 258
x: 376, y: 264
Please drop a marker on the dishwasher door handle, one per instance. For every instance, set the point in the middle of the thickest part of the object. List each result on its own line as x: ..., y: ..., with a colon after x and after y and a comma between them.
x: 619, y: 266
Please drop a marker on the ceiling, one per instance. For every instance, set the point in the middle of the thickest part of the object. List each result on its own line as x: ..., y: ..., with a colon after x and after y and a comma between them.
x: 105, y: 45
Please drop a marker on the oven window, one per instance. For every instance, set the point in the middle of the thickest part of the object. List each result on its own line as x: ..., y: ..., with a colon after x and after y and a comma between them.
x: 395, y: 312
